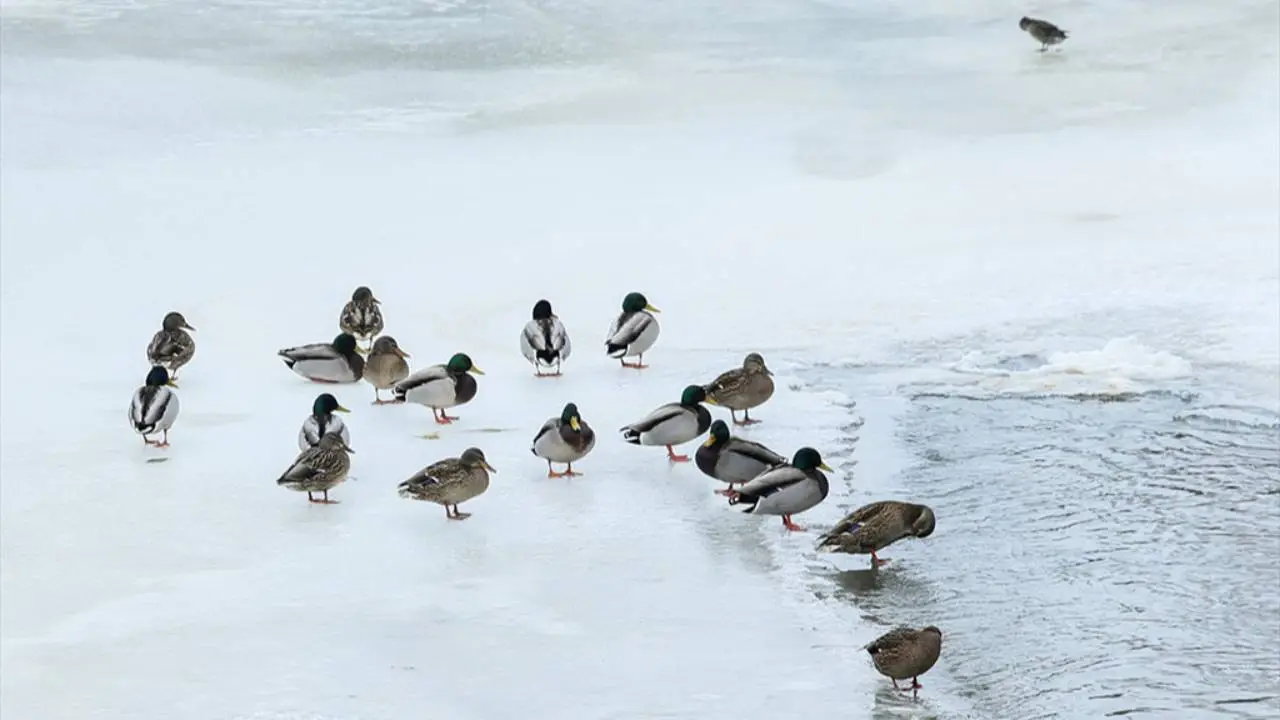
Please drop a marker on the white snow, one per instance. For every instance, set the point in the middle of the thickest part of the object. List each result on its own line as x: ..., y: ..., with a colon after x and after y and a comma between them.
x: 196, y: 588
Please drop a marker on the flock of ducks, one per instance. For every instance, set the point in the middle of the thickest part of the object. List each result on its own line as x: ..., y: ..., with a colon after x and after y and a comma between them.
x: 757, y: 479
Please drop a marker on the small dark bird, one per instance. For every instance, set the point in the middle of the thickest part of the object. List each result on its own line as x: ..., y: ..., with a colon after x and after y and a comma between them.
x: 905, y: 653
x: 1046, y: 33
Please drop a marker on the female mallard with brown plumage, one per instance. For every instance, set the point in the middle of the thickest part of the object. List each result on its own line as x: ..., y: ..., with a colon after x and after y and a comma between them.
x: 450, y: 481
x: 361, y: 317
x: 172, y: 347
x: 385, y: 367
x: 565, y: 439
x: 905, y: 653
x: 742, y: 388
x: 1044, y: 32
x: 874, y: 527
x: 733, y: 460
x: 319, y: 469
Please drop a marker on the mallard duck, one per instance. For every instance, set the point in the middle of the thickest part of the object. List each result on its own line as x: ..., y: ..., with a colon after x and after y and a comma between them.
x: 451, y: 481
x: 742, y: 388
x: 319, y: 469
x: 322, y: 421
x: 785, y: 490
x: 874, y: 527
x: 672, y: 424
x: 440, y: 386
x: 155, y: 407
x: 171, y: 346
x: 905, y: 653
x: 1045, y: 33
x: 385, y: 367
x: 544, y: 341
x: 361, y: 317
x: 565, y: 439
x: 733, y: 460
x: 335, y: 362
x: 633, y: 332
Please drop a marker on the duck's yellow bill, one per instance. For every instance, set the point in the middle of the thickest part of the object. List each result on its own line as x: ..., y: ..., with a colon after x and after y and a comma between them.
x: 651, y: 308
x: 342, y: 409
x: 710, y: 441
x: 171, y: 383
x: 476, y: 370
x: 824, y: 466
x: 573, y: 423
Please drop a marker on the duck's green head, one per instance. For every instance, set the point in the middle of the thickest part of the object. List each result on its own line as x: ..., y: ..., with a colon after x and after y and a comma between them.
x: 326, y: 404
x: 693, y: 395
x: 159, y: 377
x: 542, y: 310
x: 345, y: 343
x: 474, y: 457
x: 806, y: 458
x: 719, y: 434
x: 570, y: 417
x: 460, y: 363
x: 635, y: 302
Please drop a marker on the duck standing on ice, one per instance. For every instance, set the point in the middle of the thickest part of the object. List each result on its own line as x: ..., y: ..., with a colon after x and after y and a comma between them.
x: 1045, y: 33
x: 633, y: 332
x: 322, y: 421
x: 450, y: 481
x: 742, y: 388
x: 904, y: 653
x: 319, y: 469
x: 335, y: 362
x: 440, y: 387
x: 733, y: 460
x: 361, y: 317
x: 565, y: 439
x: 786, y: 490
x: 171, y: 347
x: 154, y: 407
x: 385, y: 367
x: 544, y: 341
x: 672, y: 424
x: 874, y: 527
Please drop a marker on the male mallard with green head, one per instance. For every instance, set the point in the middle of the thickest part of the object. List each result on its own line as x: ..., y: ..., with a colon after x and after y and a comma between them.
x: 874, y: 527
x: 733, y: 460
x: 742, y: 388
x: 905, y: 653
x: 171, y: 346
x: 450, y: 482
x: 154, y: 408
x: 544, y: 342
x: 633, y: 332
x: 361, y: 317
x: 322, y: 421
x: 440, y: 387
x: 335, y: 362
x: 385, y: 367
x: 319, y: 469
x: 1045, y: 33
x: 785, y: 490
x: 672, y: 424
x: 565, y: 439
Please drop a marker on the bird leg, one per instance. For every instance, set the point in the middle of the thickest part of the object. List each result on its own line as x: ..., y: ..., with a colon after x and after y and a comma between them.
x: 457, y: 515
x: 895, y: 683
x: 746, y: 418
x: 875, y: 561
x: 325, y: 501
x: 377, y: 398
x: 164, y: 442
x: 786, y: 522
x: 442, y: 418
x: 726, y: 491
x: 638, y: 364
x: 673, y: 457
x: 568, y: 472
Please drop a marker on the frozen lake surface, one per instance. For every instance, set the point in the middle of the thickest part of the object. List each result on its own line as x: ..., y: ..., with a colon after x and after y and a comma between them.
x: 1038, y: 292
